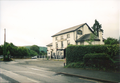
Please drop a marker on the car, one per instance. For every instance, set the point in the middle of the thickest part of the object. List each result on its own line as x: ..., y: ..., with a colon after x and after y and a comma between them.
x: 34, y: 57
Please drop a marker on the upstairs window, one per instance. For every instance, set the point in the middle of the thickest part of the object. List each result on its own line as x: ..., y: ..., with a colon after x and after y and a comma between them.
x: 61, y: 37
x: 56, y: 45
x: 79, y: 32
x: 68, y: 35
x: 56, y: 38
x: 61, y: 44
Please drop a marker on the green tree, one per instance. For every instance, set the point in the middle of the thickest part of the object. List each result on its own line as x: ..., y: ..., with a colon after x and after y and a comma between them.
x: 22, y: 52
x: 96, y: 27
x: 4, y: 51
x: 35, y: 48
x: 13, y: 49
x: 111, y: 41
x: 33, y: 53
x: 1, y: 50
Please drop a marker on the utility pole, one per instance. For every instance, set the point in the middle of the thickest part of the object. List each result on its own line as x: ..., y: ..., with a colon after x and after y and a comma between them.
x: 4, y: 35
x: 4, y: 50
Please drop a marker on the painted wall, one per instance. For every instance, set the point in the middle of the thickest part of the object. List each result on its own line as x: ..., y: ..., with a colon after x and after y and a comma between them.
x: 49, y: 50
x: 73, y: 37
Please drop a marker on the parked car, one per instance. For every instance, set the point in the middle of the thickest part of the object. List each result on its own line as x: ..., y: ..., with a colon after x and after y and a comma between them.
x: 34, y: 57
x: 1, y: 56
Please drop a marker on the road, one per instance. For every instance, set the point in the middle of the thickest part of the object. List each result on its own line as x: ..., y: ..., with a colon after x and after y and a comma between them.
x: 33, y: 71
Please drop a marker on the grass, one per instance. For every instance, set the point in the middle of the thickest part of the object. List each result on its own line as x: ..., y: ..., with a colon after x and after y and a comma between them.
x: 58, y: 60
x: 1, y: 59
x: 82, y: 66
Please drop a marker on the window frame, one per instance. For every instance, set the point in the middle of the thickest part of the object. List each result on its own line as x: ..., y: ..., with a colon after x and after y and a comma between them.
x: 68, y: 42
x: 56, y: 45
x: 68, y: 35
x: 79, y: 32
x: 55, y: 38
x: 62, y: 37
x: 62, y: 44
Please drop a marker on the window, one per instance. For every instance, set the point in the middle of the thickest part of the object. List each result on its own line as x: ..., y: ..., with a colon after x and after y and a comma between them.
x: 61, y: 37
x: 56, y: 38
x: 56, y: 45
x: 79, y: 32
x: 68, y: 42
x: 61, y: 44
x: 68, y: 35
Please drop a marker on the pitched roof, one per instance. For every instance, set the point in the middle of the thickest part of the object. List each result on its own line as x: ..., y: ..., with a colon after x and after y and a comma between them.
x: 49, y: 44
x: 86, y: 37
x: 71, y: 29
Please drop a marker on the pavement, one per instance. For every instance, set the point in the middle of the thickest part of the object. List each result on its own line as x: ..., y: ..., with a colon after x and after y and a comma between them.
x: 91, y: 74
x: 102, y: 76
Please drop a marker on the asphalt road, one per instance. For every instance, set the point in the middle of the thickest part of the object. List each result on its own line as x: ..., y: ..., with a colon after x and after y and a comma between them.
x: 35, y: 71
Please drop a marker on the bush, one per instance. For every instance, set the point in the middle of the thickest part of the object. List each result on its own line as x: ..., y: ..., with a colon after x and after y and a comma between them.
x: 75, y: 65
x: 98, y: 60
x: 111, y: 41
x: 95, y: 56
x: 75, y: 53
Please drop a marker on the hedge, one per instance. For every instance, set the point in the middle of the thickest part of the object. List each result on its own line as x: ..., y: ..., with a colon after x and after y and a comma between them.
x: 75, y: 53
x: 99, y: 60
x: 95, y: 56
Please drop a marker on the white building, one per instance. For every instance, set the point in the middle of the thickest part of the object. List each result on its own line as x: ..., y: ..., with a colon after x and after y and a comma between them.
x: 76, y: 35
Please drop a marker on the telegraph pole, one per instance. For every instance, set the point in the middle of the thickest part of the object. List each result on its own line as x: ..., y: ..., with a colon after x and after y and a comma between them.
x: 4, y: 35
x: 4, y: 51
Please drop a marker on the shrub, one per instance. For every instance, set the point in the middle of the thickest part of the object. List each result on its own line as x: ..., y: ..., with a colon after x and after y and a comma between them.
x: 97, y: 60
x: 75, y: 65
x: 75, y: 53
x: 95, y: 56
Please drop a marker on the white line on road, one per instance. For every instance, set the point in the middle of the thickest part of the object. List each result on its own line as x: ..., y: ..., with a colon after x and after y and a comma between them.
x: 18, y: 77
x: 42, y: 69
x: 42, y: 75
x: 33, y: 80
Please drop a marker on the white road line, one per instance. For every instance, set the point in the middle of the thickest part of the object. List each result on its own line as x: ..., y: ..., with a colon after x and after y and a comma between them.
x: 42, y: 75
x: 33, y: 80
x: 3, y: 80
x: 41, y: 69
x: 18, y: 77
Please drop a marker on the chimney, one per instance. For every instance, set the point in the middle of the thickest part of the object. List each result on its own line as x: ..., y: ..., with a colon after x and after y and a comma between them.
x: 100, y: 36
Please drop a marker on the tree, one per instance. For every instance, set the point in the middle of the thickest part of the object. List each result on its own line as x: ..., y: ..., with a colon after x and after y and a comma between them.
x: 96, y: 27
x: 35, y: 48
x: 111, y: 41
x: 4, y: 51
x: 33, y: 53
x: 1, y: 50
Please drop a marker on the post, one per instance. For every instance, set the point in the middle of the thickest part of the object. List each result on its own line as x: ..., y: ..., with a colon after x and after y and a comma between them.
x: 64, y: 62
x: 4, y: 51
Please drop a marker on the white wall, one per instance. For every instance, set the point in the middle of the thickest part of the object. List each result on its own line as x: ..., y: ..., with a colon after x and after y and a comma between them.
x: 73, y: 37
x: 48, y: 50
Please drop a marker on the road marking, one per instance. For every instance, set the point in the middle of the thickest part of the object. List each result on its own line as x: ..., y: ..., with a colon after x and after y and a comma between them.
x: 18, y: 77
x: 3, y: 80
x: 33, y: 80
x: 41, y: 69
x: 36, y: 74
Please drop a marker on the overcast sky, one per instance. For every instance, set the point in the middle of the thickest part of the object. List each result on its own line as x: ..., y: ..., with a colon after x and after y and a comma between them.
x: 30, y: 22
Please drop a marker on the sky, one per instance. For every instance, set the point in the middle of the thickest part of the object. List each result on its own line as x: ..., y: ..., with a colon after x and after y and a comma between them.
x: 33, y: 22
